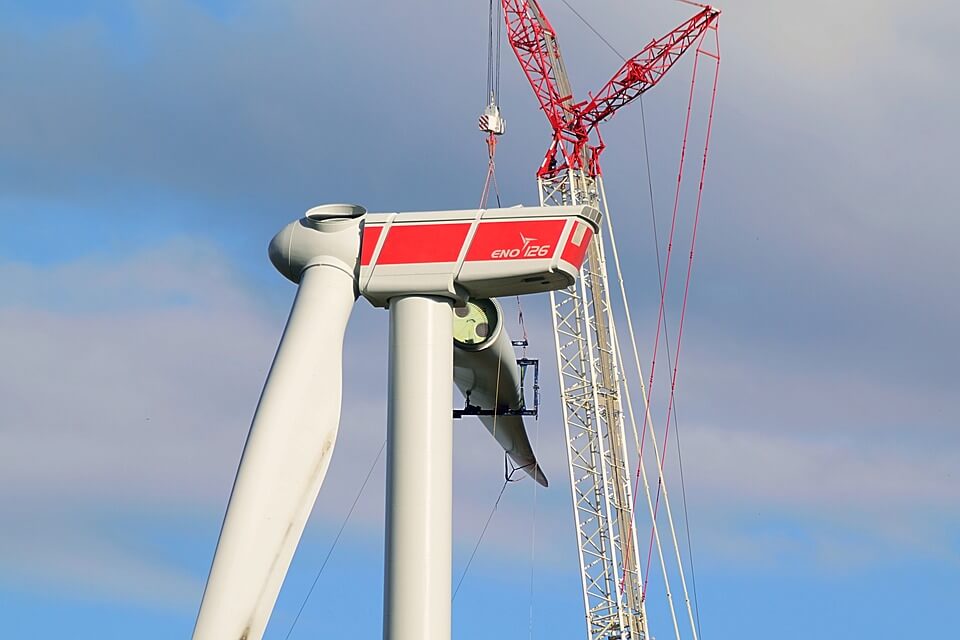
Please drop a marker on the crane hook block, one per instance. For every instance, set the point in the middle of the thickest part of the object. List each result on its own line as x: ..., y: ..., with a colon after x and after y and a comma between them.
x: 491, y: 121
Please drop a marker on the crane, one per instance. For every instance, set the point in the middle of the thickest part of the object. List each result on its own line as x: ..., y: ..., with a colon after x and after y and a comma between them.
x: 420, y: 266
x: 588, y: 354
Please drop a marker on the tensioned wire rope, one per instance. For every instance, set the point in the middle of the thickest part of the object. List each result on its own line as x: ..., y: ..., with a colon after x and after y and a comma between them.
x: 661, y: 317
x: 494, y: 49
x: 508, y: 478
x: 661, y: 489
x: 660, y: 461
x: 336, y: 539
x: 666, y: 333
x: 508, y: 473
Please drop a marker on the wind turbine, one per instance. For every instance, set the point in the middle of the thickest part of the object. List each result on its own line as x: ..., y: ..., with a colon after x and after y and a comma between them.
x: 420, y: 266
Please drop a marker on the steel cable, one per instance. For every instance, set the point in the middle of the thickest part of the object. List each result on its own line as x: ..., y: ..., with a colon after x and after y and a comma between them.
x: 336, y: 540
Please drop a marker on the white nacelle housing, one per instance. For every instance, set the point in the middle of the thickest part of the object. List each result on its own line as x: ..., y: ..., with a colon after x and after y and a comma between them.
x: 481, y: 253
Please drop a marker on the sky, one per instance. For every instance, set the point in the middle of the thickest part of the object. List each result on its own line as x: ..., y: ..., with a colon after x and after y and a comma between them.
x: 150, y: 149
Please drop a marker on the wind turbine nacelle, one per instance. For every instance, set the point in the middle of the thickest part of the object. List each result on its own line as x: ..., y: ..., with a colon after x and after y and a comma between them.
x: 479, y: 253
x: 475, y: 253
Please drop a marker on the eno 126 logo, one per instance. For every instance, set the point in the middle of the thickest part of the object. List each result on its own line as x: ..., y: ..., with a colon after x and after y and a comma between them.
x: 528, y: 250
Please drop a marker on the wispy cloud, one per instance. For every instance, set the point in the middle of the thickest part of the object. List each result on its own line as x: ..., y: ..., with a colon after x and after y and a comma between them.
x: 817, y: 381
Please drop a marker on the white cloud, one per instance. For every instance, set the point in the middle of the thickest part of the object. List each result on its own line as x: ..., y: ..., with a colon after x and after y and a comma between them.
x: 114, y: 398
x: 133, y: 379
x: 839, y: 502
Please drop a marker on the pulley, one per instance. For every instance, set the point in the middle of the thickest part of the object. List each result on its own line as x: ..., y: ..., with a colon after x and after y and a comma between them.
x: 491, y: 121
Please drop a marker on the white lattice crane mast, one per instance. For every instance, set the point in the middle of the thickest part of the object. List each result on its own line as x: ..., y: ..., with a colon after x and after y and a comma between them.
x: 587, y: 352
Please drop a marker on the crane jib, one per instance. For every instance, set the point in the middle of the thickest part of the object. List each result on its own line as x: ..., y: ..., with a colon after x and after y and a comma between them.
x: 534, y: 43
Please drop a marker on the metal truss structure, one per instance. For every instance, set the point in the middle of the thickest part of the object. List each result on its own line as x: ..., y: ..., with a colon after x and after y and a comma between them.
x: 590, y: 383
x: 590, y: 371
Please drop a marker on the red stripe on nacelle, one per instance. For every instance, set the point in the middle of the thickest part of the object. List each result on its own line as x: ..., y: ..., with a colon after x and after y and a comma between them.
x: 515, y: 240
x: 369, y: 242
x: 573, y: 252
x: 419, y: 243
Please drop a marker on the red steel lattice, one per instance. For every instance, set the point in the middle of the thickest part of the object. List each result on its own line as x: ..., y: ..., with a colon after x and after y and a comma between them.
x: 532, y: 37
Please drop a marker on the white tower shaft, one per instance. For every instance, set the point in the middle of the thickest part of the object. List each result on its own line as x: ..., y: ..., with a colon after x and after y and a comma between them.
x: 419, y: 504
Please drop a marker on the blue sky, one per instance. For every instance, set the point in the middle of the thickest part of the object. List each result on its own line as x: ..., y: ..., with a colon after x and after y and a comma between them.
x: 151, y: 149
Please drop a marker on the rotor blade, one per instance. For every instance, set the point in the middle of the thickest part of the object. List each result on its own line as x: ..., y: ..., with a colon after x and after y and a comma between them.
x: 284, y: 462
x: 489, y: 374
x: 512, y: 436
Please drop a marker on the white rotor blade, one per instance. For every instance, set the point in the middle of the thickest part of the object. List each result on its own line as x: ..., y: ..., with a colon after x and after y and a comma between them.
x: 489, y: 374
x: 284, y: 462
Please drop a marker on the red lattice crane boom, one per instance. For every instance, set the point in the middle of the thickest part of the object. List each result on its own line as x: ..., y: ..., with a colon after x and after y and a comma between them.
x: 533, y: 40
x: 644, y: 70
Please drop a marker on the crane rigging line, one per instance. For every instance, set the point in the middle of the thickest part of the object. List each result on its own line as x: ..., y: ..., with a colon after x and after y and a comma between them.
x: 508, y: 472
x: 661, y: 278
x: 594, y: 30
x: 494, y: 31
x: 693, y: 238
x: 493, y: 51
x: 483, y: 532
x: 673, y: 227
x: 631, y: 415
x: 336, y: 539
x: 533, y: 529
x: 661, y: 282
x: 661, y: 313
x: 491, y: 179
x: 705, y: 18
x: 666, y: 333
x: 695, y: 624
x: 496, y: 86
